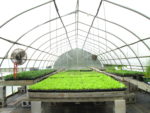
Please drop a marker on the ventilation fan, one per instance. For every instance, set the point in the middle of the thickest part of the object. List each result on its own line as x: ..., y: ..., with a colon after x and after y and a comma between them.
x: 94, y: 57
x: 18, y: 57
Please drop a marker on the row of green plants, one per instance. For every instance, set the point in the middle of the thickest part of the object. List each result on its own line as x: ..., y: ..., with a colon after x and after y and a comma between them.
x: 76, y: 80
x: 29, y: 75
x: 142, y: 76
x: 147, y: 74
x: 125, y: 72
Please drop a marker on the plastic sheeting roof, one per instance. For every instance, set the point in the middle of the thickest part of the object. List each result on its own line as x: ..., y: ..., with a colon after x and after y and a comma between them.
x: 115, y: 30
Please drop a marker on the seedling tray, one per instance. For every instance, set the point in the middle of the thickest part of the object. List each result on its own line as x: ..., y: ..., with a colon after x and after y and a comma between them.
x: 27, y: 81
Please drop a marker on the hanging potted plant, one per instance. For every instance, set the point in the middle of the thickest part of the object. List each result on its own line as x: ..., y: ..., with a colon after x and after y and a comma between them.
x: 147, y: 75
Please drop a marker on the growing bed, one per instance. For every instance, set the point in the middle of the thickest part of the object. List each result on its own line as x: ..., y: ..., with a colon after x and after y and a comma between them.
x: 77, y: 86
x: 125, y: 73
x: 27, y: 78
x: 77, y: 81
x: 29, y: 75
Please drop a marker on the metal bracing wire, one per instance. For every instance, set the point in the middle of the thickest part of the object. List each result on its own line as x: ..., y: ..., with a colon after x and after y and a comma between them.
x: 109, y: 42
x: 108, y: 46
x: 76, y: 27
x: 49, y: 51
x: 92, y: 22
x: 25, y: 46
x: 143, y: 56
x: 89, y: 50
x: 50, y: 13
x: 62, y: 22
x: 50, y: 33
x: 51, y: 43
x: 76, y: 20
x: 24, y: 13
x: 114, y: 23
x: 42, y: 44
x: 102, y: 48
x: 62, y: 45
x: 40, y: 25
x: 128, y: 45
x: 47, y: 41
x: 28, y: 59
x: 118, y: 39
x: 35, y: 27
x: 47, y: 48
x: 121, y: 26
x: 132, y: 57
x: 84, y: 50
x: 105, y: 24
x: 130, y: 9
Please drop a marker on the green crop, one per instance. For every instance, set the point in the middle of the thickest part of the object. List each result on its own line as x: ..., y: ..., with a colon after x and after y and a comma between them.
x: 125, y: 72
x: 147, y: 73
x: 75, y: 80
x: 29, y: 75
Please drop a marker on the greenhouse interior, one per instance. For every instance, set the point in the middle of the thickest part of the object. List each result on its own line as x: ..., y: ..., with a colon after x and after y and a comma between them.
x: 74, y: 56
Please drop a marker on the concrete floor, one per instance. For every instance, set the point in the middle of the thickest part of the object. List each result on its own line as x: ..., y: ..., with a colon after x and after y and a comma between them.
x: 142, y: 106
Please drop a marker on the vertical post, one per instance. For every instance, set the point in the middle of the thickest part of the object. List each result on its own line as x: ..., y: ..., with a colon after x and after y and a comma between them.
x: 15, y: 70
x: 120, y: 106
x: 36, y: 107
x: 2, y: 96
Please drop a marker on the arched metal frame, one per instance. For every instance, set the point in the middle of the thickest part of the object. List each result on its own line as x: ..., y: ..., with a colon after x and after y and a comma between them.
x: 65, y: 45
x: 84, y: 50
x: 118, y: 39
x: 111, y: 43
x: 91, y: 26
x: 50, y: 50
x: 90, y: 46
x: 98, y: 29
x: 44, y: 43
x: 30, y: 30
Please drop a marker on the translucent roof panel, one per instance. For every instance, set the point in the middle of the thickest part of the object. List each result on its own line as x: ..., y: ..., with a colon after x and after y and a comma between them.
x: 114, y: 30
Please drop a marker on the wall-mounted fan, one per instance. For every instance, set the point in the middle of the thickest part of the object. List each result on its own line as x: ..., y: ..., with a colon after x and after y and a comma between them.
x: 18, y: 57
x: 94, y: 57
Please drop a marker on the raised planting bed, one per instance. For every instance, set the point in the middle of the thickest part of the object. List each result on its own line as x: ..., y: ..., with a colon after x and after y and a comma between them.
x: 146, y: 80
x: 29, y: 75
x: 76, y: 96
x: 147, y: 75
x: 125, y: 73
x: 139, y: 84
x: 76, y: 81
x: 27, y: 78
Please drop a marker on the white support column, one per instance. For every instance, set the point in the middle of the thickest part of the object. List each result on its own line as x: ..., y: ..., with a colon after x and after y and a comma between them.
x: 36, y: 107
x: 120, y: 106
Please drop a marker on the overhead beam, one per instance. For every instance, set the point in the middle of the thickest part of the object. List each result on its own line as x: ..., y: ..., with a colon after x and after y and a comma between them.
x: 128, y: 9
x: 10, y: 41
x: 121, y: 26
x: 24, y: 13
x: 62, y: 23
x: 92, y: 22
